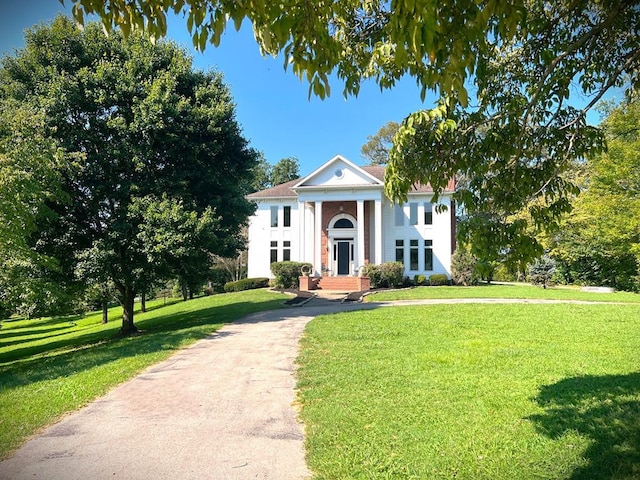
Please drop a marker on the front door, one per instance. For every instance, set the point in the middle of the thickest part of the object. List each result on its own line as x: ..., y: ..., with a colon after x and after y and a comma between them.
x: 343, y: 256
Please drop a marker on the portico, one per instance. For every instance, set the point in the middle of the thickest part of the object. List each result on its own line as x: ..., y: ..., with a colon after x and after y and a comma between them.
x: 344, y: 234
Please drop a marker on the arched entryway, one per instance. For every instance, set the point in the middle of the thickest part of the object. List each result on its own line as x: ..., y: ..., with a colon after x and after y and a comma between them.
x: 342, y: 233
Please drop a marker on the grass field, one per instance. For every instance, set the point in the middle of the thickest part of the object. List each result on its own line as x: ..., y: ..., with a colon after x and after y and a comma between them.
x: 502, y: 291
x: 473, y: 392
x: 52, y: 366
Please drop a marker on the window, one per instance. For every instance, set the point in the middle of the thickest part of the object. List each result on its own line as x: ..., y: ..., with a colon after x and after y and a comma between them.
x: 287, y: 216
x: 428, y: 214
x: 343, y: 223
x: 274, y: 252
x: 399, y: 216
x: 274, y: 216
x: 413, y: 213
x: 400, y: 251
x: 428, y: 254
x: 286, y: 250
x: 413, y: 254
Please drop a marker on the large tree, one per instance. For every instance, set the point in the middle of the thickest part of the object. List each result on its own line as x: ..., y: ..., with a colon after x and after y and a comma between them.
x: 378, y: 146
x: 28, y: 179
x: 285, y: 170
x: 504, y: 71
x: 265, y: 175
x: 600, y: 242
x: 142, y: 123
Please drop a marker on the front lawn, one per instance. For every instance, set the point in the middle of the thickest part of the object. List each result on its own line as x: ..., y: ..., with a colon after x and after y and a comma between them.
x: 473, y: 392
x: 502, y: 291
x: 52, y: 366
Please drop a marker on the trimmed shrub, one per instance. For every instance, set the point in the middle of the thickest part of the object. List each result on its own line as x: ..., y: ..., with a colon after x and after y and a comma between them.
x: 419, y: 280
x: 246, y: 284
x: 385, y: 275
x: 438, y: 279
x: 287, y: 273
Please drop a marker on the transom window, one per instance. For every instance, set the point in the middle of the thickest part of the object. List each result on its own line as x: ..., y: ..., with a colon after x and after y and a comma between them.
x: 343, y: 223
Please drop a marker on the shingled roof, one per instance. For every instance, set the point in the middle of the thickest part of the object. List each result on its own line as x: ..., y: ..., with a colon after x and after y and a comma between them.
x: 284, y: 190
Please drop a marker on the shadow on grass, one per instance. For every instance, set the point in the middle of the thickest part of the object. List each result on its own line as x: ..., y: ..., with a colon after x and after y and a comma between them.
x: 606, y: 409
x: 17, y: 333
x: 165, y: 332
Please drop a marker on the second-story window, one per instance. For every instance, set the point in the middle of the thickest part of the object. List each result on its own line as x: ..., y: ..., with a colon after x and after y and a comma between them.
x: 428, y: 214
x: 413, y: 213
x: 286, y: 216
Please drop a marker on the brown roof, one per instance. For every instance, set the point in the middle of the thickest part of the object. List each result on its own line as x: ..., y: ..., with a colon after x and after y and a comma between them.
x: 279, y: 191
x: 284, y: 189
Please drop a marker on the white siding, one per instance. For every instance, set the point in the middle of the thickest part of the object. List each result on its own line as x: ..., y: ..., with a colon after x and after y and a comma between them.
x: 261, y: 234
x: 439, y: 232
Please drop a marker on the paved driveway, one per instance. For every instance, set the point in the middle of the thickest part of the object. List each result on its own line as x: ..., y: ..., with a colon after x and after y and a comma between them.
x: 220, y: 409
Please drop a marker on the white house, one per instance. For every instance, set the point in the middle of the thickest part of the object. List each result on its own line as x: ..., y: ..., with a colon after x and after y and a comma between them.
x: 339, y: 219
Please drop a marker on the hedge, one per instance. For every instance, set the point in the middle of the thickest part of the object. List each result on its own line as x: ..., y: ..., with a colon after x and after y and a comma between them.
x: 287, y: 273
x: 385, y: 275
x: 419, y: 280
x: 438, y: 279
x: 246, y: 284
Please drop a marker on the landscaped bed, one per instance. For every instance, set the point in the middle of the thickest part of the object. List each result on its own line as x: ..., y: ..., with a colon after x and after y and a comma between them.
x: 473, y: 392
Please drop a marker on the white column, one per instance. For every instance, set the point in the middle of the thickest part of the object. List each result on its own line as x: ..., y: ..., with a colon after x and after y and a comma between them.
x: 378, y: 232
x: 317, y: 252
x: 360, y: 220
x: 301, y: 228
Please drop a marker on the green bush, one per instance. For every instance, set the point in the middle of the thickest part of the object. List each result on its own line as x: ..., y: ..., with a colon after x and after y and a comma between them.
x: 419, y: 280
x: 218, y: 278
x: 385, y: 275
x: 287, y: 273
x: 438, y: 279
x: 246, y: 284
x: 463, y: 268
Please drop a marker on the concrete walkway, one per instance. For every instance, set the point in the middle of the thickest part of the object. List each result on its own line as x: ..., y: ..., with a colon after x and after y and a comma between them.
x: 220, y: 409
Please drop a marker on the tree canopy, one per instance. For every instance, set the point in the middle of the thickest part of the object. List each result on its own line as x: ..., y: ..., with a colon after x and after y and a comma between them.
x: 265, y: 175
x: 285, y: 170
x: 600, y: 243
x: 505, y: 72
x: 378, y: 146
x: 150, y: 142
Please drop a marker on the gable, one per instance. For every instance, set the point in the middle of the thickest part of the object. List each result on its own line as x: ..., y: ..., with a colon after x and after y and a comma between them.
x: 339, y: 172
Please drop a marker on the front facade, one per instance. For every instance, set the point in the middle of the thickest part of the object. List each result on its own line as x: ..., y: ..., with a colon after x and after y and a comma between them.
x: 339, y: 220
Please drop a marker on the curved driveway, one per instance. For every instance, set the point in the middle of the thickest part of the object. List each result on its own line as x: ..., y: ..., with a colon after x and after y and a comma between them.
x: 222, y: 408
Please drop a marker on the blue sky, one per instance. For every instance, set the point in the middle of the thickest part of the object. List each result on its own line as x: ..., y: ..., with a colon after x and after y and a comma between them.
x: 273, y: 107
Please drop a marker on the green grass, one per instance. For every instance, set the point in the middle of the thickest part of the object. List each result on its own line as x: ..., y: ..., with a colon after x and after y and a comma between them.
x: 502, y: 291
x: 473, y: 392
x: 52, y: 366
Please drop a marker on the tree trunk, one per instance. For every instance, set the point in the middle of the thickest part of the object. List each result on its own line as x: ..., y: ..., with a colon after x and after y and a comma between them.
x: 105, y: 311
x: 190, y: 294
x: 143, y: 302
x: 128, y: 296
x: 184, y: 293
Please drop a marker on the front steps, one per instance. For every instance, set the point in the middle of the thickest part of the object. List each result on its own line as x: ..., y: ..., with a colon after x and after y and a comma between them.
x: 340, y: 283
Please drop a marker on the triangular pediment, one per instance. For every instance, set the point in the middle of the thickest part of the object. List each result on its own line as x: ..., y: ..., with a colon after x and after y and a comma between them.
x: 336, y: 173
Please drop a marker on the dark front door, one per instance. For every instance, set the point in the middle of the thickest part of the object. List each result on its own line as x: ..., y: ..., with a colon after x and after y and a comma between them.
x: 343, y: 257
